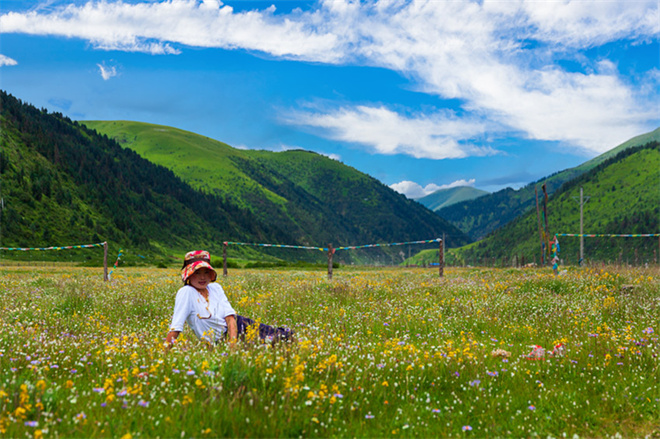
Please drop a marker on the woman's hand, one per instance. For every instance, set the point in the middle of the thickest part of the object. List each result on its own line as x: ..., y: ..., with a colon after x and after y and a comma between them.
x: 169, y: 340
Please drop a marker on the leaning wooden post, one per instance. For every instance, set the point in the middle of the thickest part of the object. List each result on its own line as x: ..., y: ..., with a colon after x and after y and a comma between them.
x: 331, y: 252
x: 538, y: 219
x: 105, y: 261
x: 224, y: 259
x: 441, y: 258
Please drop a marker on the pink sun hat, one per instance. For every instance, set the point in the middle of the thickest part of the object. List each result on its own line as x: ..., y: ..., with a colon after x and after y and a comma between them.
x: 195, y: 260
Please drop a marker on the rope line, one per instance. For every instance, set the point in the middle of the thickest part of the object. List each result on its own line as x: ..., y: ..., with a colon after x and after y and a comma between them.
x: 387, y: 245
x: 68, y: 247
x: 353, y: 247
x: 275, y: 245
x: 641, y: 235
x: 116, y: 262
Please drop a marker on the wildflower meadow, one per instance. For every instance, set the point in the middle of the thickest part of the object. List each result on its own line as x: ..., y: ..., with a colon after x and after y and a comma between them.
x: 378, y: 353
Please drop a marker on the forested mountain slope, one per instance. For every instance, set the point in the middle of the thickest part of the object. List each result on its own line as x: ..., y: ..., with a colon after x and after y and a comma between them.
x: 623, y: 198
x: 483, y: 215
x: 64, y: 184
x: 315, y: 199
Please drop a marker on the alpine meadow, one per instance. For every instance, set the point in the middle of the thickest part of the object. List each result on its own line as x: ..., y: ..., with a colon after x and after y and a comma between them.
x: 333, y: 219
x: 400, y: 340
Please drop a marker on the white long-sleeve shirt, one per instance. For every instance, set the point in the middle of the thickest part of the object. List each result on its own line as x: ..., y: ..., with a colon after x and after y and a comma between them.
x: 190, y: 306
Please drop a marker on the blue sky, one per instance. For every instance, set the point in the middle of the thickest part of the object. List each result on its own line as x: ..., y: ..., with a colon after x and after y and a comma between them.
x: 421, y: 95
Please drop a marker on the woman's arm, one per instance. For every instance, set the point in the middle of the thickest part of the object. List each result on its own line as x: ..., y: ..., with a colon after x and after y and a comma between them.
x: 232, y: 329
x: 181, y: 311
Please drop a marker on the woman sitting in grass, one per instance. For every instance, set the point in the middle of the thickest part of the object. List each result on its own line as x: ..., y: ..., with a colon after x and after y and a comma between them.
x: 203, y: 304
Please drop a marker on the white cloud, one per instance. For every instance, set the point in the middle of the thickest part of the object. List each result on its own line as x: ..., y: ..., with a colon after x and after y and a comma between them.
x: 409, y: 188
x: 335, y: 157
x: 497, y: 57
x: 592, y: 22
x: 107, y: 72
x: 414, y: 190
x: 387, y: 132
x: 476, y: 53
x: 457, y: 183
x: 150, y: 26
x: 6, y: 61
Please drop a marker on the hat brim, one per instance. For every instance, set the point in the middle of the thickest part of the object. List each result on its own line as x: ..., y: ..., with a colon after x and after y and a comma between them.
x: 189, y: 270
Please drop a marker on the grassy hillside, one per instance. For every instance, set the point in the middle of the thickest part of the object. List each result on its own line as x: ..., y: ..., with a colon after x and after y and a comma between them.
x: 204, y: 163
x: 63, y: 184
x: 624, y: 193
x: 314, y: 199
x: 446, y: 197
x: 481, y: 216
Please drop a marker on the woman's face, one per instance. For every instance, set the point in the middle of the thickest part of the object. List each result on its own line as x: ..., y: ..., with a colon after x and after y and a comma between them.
x: 201, y: 278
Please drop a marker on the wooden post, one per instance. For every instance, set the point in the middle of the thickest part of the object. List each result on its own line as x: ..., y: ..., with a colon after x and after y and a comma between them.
x: 441, y: 258
x: 105, y: 261
x: 538, y: 219
x: 331, y: 252
x: 224, y: 259
x: 545, y: 217
x: 581, y: 224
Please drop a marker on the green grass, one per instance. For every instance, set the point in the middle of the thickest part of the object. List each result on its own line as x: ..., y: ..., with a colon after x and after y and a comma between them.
x: 380, y: 353
x: 204, y: 163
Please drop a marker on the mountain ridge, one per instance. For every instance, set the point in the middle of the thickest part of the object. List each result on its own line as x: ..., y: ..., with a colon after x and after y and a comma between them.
x: 64, y: 183
x: 273, y: 184
x: 446, y: 197
x: 624, y: 198
x: 481, y: 216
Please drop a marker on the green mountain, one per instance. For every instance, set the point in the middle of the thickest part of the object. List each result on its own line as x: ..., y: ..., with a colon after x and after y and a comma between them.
x: 623, y: 198
x: 315, y: 199
x: 63, y: 184
x: 481, y: 216
x: 446, y: 197
x: 204, y: 163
